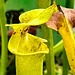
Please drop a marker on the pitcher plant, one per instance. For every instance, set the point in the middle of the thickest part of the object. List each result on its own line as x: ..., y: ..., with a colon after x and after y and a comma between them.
x: 62, y: 22
x: 29, y: 50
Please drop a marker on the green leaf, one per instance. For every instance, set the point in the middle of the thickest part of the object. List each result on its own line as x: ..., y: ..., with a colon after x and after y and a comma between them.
x: 4, y: 51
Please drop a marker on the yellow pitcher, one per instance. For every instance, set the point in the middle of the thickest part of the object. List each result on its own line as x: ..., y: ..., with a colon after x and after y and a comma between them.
x: 29, y: 51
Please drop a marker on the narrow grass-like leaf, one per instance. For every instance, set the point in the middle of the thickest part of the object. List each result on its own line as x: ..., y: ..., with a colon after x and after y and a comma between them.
x: 4, y: 52
x: 65, y: 64
x: 58, y: 48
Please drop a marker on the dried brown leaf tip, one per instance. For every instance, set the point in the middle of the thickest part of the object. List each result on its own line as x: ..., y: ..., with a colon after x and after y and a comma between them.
x: 55, y: 18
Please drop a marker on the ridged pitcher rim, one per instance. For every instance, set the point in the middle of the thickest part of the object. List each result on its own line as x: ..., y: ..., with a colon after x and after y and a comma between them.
x: 32, y: 53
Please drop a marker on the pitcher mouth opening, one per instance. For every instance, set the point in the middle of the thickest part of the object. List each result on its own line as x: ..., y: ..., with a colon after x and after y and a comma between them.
x: 29, y: 53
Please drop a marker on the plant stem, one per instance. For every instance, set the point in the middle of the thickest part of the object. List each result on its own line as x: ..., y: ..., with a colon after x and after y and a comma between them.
x: 65, y: 63
x: 47, y: 34
x: 4, y: 52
